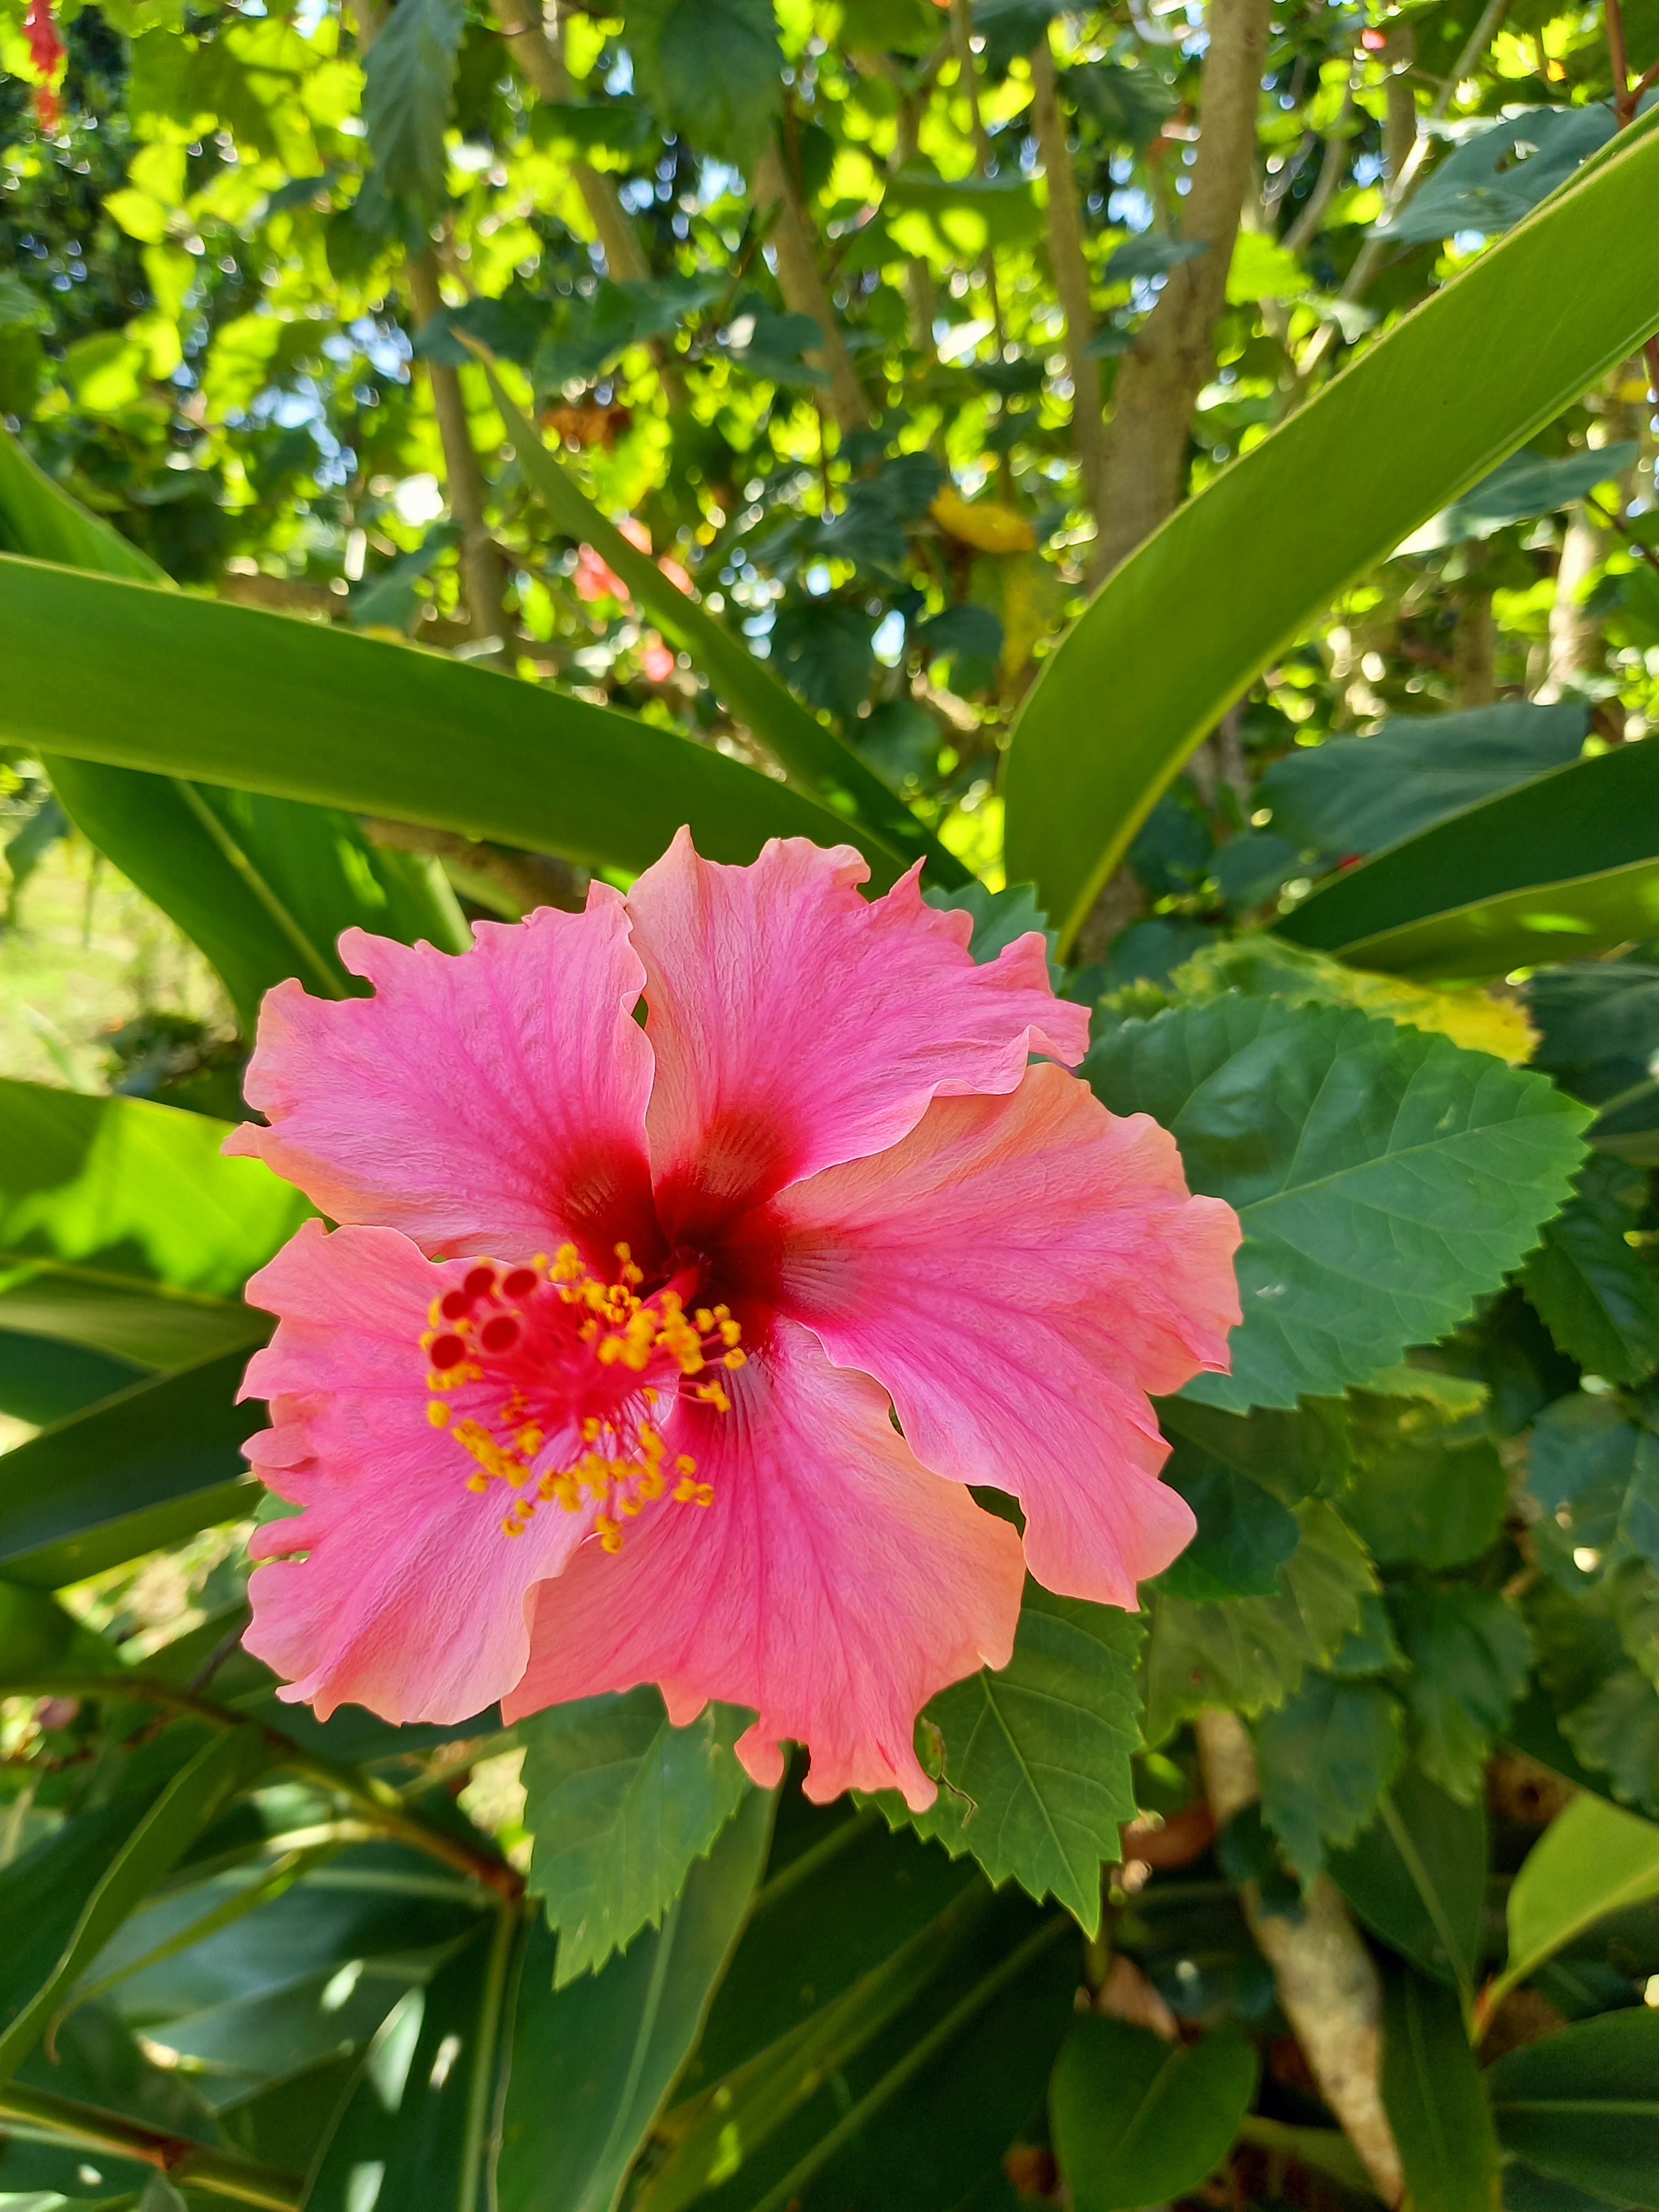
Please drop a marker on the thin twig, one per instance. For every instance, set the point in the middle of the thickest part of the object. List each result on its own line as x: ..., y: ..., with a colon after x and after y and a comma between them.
x: 1623, y: 527
x: 193, y: 2164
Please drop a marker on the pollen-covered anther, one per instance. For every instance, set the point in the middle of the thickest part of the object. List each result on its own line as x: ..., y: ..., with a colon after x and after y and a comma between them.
x: 540, y: 1340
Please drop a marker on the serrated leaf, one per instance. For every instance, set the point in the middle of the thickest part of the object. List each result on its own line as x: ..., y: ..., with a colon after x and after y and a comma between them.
x: 1598, y: 1299
x: 998, y: 917
x: 1429, y: 1485
x: 1616, y: 1732
x: 620, y: 1804
x: 1326, y: 1756
x: 1033, y: 1762
x: 1595, y: 1475
x: 1250, y: 1653
x: 408, y: 82
x: 1245, y: 1534
x: 711, y: 70
x: 1384, y: 1179
x: 1470, y: 1656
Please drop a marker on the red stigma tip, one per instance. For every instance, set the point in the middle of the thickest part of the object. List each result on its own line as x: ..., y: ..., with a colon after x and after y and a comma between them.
x: 496, y: 1335
x: 453, y: 1305
x: 478, y: 1282
x: 519, y: 1283
x: 447, y: 1351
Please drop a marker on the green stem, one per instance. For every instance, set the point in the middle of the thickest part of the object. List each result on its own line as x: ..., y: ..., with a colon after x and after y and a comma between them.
x: 192, y: 2164
x: 480, y: 2094
x: 320, y: 971
x: 377, y: 1801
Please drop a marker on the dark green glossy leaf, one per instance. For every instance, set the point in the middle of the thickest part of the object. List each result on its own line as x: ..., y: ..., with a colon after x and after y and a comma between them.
x: 1107, y: 728
x: 42, y: 1381
x: 1595, y: 1476
x: 1383, y: 1177
x: 1326, y: 1756
x: 1527, y: 484
x: 1584, y: 2105
x: 1598, y: 1298
x: 422, y: 2105
x: 74, y: 1890
x: 296, y: 710
x: 1568, y: 863
x: 122, y: 1228
x: 1435, y: 2098
x: 1428, y: 1486
x: 620, y: 1804
x: 145, y: 1468
x: 1481, y: 185
x: 1251, y: 1652
x: 1600, y: 1020
x: 593, y: 2063
x: 710, y: 70
x: 1034, y: 1761
x: 1245, y: 1534
x: 1417, y: 1877
x: 1470, y: 1656
x: 1138, y: 2121
x: 1359, y: 794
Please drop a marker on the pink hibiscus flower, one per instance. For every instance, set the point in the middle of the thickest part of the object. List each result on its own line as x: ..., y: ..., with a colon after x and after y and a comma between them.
x: 595, y: 1384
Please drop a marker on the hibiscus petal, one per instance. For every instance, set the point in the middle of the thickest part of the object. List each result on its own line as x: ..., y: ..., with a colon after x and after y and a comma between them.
x: 797, y: 1024
x: 488, y: 1102
x: 833, y: 1585
x: 1020, y: 1272
x: 411, y: 1601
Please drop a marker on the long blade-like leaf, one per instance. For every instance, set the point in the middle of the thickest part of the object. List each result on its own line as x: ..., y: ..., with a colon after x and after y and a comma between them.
x: 812, y: 756
x: 120, y: 672
x: 1186, y: 624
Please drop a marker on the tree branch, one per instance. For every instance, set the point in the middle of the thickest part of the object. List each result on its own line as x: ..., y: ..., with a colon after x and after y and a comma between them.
x: 215, y: 2174
x: 1071, y: 280
x: 1327, y: 1986
x: 805, y: 291
x: 1174, y: 358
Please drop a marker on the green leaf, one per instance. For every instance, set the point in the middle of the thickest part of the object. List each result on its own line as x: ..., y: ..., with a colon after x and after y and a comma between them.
x: 1592, y: 1860
x: 1527, y: 484
x: 1435, y: 2098
x: 1114, y: 714
x: 409, y: 81
x: 1245, y: 1534
x: 1595, y: 1475
x: 711, y: 70
x: 1481, y: 185
x: 41, y: 1382
x: 1598, y: 1299
x: 998, y: 917
x: 850, y: 1898
x: 1138, y: 2121
x: 812, y: 756
x: 1616, y: 1731
x: 731, y: 2121
x: 1584, y: 2105
x: 1290, y: 1453
x: 1429, y: 1485
x: 73, y: 1891
x: 122, y: 673
x: 1417, y: 1877
x: 620, y: 1804
x: 1359, y: 794
x: 1470, y: 1656
x: 592, y: 2064
x: 1328, y: 1753
x: 265, y: 886
x: 422, y: 2105
x: 921, y: 2115
x: 1250, y: 1653
x: 145, y: 1468
x: 1383, y: 1177
x: 1567, y: 862
x: 36, y: 1635
x: 1033, y: 1762
x: 121, y: 1227
x: 1600, y: 1020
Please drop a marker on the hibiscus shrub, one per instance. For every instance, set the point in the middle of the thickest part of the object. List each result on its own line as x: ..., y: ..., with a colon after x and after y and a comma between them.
x: 923, y: 1190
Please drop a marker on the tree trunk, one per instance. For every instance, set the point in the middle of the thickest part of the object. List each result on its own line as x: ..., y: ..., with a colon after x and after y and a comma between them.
x: 1327, y: 1985
x: 483, y: 572
x: 1174, y: 357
